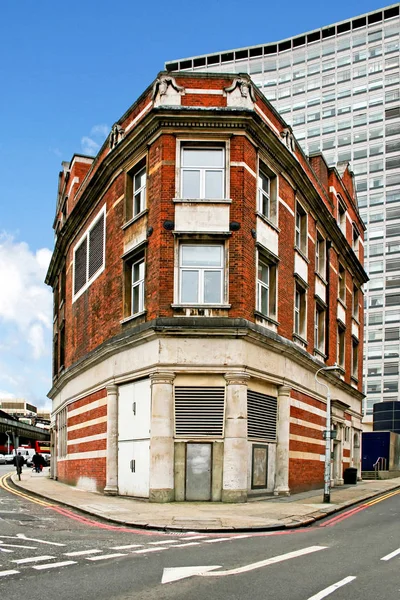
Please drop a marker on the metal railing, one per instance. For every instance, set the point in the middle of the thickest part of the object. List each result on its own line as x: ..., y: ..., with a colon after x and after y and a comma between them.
x: 380, y: 464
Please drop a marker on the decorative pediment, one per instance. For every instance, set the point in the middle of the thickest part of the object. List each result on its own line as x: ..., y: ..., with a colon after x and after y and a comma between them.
x: 166, y: 92
x: 116, y: 135
x: 289, y: 139
x: 240, y: 94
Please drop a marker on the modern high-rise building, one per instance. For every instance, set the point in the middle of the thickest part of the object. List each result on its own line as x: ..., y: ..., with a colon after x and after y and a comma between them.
x: 338, y: 87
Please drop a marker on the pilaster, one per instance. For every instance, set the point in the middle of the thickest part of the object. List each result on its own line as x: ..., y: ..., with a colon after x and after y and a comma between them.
x: 111, y: 488
x: 282, y: 446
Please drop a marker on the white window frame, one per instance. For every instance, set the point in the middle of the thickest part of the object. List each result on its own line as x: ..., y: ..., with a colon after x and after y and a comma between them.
x: 268, y: 287
x: 355, y: 241
x: 301, y: 232
x: 342, y: 283
x: 300, y: 312
x: 320, y: 255
x: 341, y: 347
x: 139, y: 283
x: 319, y: 328
x: 85, y: 239
x: 342, y: 210
x: 210, y: 146
x: 140, y: 192
x: 355, y: 357
x: 356, y: 302
x: 200, y: 276
x: 264, y: 197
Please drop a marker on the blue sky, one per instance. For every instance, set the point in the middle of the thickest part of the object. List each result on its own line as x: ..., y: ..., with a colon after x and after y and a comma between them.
x: 68, y: 72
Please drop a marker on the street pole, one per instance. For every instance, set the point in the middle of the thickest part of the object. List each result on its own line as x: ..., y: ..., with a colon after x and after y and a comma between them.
x: 327, y: 470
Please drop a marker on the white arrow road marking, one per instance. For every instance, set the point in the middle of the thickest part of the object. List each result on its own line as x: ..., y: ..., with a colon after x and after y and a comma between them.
x: 215, y: 540
x: 23, y: 537
x: 174, y: 574
x: 54, y: 565
x: 11, y: 572
x: 2, y: 544
x: 188, y: 544
x: 5, y: 550
x: 391, y: 555
x: 332, y: 588
x: 23, y: 561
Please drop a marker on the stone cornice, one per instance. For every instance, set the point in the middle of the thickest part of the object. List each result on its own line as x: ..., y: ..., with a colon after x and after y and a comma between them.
x: 237, y: 378
x: 162, y: 377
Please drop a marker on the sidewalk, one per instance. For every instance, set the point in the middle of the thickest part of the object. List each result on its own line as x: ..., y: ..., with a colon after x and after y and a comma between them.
x: 266, y: 514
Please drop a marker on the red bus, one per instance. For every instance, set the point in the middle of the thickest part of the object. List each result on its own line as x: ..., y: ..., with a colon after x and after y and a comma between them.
x: 42, y: 447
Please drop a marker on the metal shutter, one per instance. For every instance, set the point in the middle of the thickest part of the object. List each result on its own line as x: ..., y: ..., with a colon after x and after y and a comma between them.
x: 261, y: 416
x: 80, y: 266
x: 96, y: 247
x: 199, y: 411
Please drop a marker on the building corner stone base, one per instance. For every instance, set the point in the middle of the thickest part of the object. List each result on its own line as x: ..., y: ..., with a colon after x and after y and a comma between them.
x: 162, y: 496
x: 234, y: 496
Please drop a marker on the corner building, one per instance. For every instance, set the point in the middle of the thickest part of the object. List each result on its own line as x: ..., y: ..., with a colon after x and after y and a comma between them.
x: 204, y: 270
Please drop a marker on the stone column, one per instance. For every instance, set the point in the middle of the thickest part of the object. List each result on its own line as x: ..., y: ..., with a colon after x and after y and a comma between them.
x: 53, y: 452
x: 234, y: 481
x: 162, y: 438
x: 111, y: 488
x: 282, y: 446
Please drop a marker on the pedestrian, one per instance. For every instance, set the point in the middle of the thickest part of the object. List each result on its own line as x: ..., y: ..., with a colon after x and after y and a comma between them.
x: 19, y: 462
x: 36, y: 459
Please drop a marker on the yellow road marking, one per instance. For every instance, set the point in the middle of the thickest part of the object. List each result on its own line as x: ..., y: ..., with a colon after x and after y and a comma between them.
x: 5, y: 485
x: 388, y: 495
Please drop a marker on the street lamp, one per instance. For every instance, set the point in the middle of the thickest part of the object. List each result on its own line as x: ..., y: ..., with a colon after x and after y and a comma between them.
x: 327, y: 473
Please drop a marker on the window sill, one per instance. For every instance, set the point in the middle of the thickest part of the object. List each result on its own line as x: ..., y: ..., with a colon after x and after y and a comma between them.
x: 215, y: 306
x: 133, y: 317
x: 300, y: 251
x: 202, y: 200
x: 355, y: 319
x: 342, y: 303
x: 321, y: 278
x: 268, y: 318
x: 354, y: 379
x: 135, y: 218
x: 267, y: 221
x: 320, y: 354
x: 300, y: 340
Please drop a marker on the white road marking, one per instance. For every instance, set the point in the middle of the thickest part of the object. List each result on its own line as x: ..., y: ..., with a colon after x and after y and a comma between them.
x: 126, y: 547
x: 240, y: 537
x: 17, y: 546
x: 149, y: 550
x: 195, y: 537
x: 188, y: 544
x: 23, y: 561
x: 332, y: 588
x: 214, y: 541
x: 166, y: 542
x: 106, y: 556
x: 22, y: 536
x: 391, y: 555
x: 5, y: 573
x: 5, y: 550
x: 81, y: 552
x: 174, y: 574
x: 54, y: 565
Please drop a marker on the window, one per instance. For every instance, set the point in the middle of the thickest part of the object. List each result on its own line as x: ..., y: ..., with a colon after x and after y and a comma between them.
x: 202, y: 172
x: 301, y: 229
x: 300, y: 311
x: 139, y: 191
x: 320, y: 255
x: 356, y: 293
x: 354, y: 359
x: 267, y: 192
x: 266, y: 287
x: 356, y: 241
x: 89, y: 255
x: 201, y: 269
x: 342, y: 215
x: 319, y: 338
x: 340, y: 346
x: 62, y: 433
x: 342, y: 284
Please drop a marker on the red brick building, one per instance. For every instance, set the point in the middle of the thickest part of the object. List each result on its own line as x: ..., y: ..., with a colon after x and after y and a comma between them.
x: 204, y: 270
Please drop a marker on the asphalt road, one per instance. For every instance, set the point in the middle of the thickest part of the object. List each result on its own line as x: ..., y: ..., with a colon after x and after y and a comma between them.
x: 48, y: 551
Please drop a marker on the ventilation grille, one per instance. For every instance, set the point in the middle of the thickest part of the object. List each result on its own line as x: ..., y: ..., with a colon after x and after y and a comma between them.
x: 261, y: 416
x: 199, y: 411
x: 96, y: 247
x: 80, y: 266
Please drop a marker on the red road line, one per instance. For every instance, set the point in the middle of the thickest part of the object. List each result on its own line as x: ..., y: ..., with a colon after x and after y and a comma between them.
x: 343, y: 516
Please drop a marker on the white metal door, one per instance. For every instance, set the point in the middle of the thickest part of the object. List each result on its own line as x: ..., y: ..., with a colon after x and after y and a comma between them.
x: 134, y: 419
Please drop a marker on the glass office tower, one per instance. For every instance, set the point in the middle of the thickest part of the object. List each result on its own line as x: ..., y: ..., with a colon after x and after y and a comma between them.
x: 338, y: 87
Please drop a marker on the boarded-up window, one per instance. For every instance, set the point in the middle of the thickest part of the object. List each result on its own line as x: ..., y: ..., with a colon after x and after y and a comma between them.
x: 96, y: 247
x: 261, y: 416
x: 199, y: 411
x: 89, y: 255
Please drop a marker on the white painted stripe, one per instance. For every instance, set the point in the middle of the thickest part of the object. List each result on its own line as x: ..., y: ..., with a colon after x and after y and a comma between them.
x: 23, y: 561
x: 81, y: 552
x: 245, y: 166
x: 199, y: 91
x: 303, y: 423
x: 127, y: 547
x: 195, y: 537
x: 240, y: 537
x: 165, y: 542
x: 188, y: 544
x: 216, y: 540
x: 306, y: 455
x: 106, y: 556
x: 65, y: 563
x: 139, y: 116
x: 332, y: 588
x: 391, y: 555
x: 286, y: 206
x: 88, y: 438
x: 79, y: 455
x: 307, y: 440
x: 268, y: 561
x: 5, y: 573
x: 149, y: 550
x: 89, y: 423
x: 89, y: 406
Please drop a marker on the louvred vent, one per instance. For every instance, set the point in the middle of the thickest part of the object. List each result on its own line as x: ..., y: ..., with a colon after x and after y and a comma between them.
x: 199, y: 411
x: 96, y: 247
x: 80, y: 266
x: 261, y: 416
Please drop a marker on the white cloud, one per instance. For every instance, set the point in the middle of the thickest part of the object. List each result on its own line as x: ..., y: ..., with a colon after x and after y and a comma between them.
x: 25, y: 300
x: 6, y: 396
x: 91, y: 143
